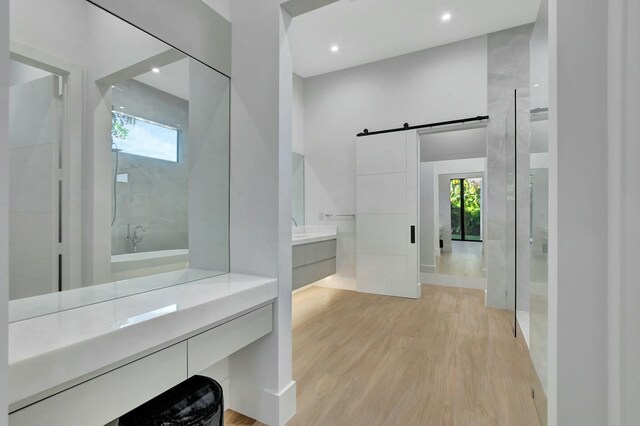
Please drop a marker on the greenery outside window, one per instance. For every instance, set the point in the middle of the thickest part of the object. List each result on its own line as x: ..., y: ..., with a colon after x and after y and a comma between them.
x: 145, y: 138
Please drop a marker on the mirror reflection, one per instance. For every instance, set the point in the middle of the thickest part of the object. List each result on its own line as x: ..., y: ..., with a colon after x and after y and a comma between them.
x: 112, y: 133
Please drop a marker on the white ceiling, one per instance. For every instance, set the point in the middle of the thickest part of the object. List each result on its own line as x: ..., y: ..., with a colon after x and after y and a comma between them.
x: 371, y: 30
x: 172, y: 78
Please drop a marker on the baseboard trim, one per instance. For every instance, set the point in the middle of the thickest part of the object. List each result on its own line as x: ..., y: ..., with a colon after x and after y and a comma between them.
x: 428, y: 269
x: 274, y: 409
x: 454, y: 281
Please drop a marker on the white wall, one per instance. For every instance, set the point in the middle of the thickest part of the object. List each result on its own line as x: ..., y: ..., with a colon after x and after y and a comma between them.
x: 223, y: 7
x: 578, y: 259
x: 428, y: 221
x: 21, y: 73
x: 4, y: 204
x: 298, y: 114
x: 454, y: 145
x: 377, y: 96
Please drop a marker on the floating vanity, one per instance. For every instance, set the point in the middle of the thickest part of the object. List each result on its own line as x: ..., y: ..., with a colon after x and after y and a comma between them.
x: 90, y: 365
x: 313, y: 254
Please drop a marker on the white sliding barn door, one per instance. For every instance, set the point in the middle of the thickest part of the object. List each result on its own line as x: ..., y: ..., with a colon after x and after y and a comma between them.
x: 387, y: 214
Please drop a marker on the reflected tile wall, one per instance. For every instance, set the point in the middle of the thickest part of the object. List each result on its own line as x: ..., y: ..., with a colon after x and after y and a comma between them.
x: 155, y: 197
x: 508, y: 69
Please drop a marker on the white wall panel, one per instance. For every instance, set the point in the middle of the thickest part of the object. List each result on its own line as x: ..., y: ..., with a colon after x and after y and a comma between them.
x: 386, y: 209
x: 382, y: 274
x: 382, y: 234
x: 382, y: 194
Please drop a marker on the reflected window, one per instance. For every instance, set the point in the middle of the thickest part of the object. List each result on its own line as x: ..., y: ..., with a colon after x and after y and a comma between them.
x: 145, y: 138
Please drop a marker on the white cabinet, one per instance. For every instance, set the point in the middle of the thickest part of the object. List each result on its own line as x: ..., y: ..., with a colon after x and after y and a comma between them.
x: 312, y: 262
x: 106, y: 397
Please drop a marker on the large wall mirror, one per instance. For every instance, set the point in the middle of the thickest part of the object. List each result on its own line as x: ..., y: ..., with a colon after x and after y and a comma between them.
x: 119, y: 160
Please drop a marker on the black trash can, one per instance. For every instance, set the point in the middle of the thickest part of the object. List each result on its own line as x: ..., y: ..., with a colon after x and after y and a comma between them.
x: 194, y: 402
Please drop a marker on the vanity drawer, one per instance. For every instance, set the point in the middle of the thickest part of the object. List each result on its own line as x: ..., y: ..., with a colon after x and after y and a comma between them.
x: 216, y: 344
x: 298, y: 257
x: 108, y: 396
x: 311, y: 273
x: 323, y: 250
x: 305, y: 254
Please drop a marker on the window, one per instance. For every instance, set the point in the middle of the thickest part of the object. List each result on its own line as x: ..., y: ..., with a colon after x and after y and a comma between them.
x: 137, y: 136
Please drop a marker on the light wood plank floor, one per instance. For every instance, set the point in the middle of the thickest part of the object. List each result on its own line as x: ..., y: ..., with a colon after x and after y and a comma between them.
x: 465, y: 259
x: 445, y: 359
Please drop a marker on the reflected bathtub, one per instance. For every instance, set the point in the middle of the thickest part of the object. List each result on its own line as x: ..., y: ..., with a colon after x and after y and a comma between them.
x: 132, y: 265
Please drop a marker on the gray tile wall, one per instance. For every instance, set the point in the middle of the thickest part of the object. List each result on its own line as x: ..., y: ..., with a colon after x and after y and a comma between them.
x: 508, y: 69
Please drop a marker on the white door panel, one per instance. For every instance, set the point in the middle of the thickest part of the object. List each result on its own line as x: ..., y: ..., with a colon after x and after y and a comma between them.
x: 382, y: 194
x: 384, y: 153
x: 382, y: 274
x: 382, y: 234
x: 413, y: 212
x: 386, y: 211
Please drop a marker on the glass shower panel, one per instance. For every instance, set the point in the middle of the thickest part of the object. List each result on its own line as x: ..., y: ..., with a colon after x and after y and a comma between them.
x: 510, y: 246
x: 539, y: 209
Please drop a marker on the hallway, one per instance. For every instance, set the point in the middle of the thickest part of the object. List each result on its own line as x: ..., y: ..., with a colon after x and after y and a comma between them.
x: 361, y: 359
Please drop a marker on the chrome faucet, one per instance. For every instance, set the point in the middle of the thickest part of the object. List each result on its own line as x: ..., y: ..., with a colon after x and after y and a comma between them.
x: 133, y: 240
x: 294, y: 222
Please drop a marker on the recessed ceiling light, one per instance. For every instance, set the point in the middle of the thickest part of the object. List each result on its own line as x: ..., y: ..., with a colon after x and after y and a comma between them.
x: 156, y: 70
x: 446, y: 17
x: 536, y: 85
x: 121, y: 107
x: 113, y: 87
x: 335, y: 48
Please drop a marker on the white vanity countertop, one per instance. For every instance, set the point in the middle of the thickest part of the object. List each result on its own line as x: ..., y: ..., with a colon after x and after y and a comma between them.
x: 51, y: 352
x: 21, y: 309
x: 313, y: 233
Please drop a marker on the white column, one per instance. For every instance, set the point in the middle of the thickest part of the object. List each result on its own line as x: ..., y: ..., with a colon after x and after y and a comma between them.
x: 623, y: 205
x: 261, y: 383
x: 578, y: 212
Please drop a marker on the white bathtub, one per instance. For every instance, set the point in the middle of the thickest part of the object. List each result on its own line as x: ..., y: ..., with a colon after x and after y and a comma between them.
x: 132, y: 265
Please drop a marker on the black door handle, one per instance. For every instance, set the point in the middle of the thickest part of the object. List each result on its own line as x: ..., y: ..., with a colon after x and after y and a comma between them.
x: 413, y: 234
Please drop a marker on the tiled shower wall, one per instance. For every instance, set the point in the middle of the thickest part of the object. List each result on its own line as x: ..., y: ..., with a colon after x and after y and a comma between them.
x: 156, y: 194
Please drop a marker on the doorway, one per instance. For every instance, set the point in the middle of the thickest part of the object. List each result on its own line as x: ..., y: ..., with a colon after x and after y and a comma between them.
x: 465, y: 196
x: 35, y: 128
